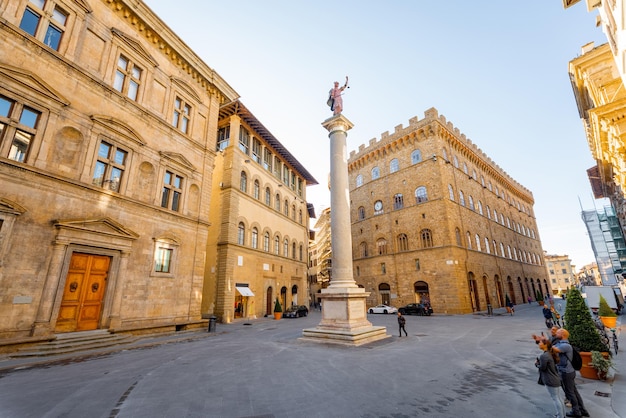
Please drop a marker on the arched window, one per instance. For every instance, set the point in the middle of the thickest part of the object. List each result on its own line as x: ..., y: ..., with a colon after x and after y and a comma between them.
x: 255, y: 238
x: 416, y: 156
x: 471, y: 203
x: 508, y: 249
x: 502, y: 250
x: 455, y: 161
x: 488, y: 212
x: 489, y: 186
x: 457, y: 233
x: 398, y: 201
x: 363, y: 249
x: 403, y: 242
x: 487, y: 246
x: 427, y: 238
x: 268, y: 196
x: 286, y: 247
x: 444, y: 153
x: 381, y: 244
x: 277, y: 203
x: 465, y: 168
x: 468, y: 237
x: 293, y: 212
x: 300, y: 252
x: 241, y: 233
x: 257, y: 190
x: 421, y: 195
x: 277, y: 245
x: 461, y: 198
x: 451, y: 192
x: 375, y: 173
x: 495, y: 215
x: 293, y: 250
x: 266, y: 242
x: 482, y: 181
x: 243, y: 182
x: 359, y: 180
x: 300, y: 216
x: 361, y: 213
x: 286, y: 208
x: 394, y: 165
x: 480, y: 207
x: 478, y: 246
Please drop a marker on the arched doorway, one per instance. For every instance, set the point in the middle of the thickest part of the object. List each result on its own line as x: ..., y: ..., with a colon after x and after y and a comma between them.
x: 283, y: 296
x: 473, y: 291
x: 521, y: 288
x: 499, y: 292
x: 385, y: 293
x: 294, y: 294
x: 511, y: 290
x: 268, y: 301
x: 532, y: 283
x: 486, y: 289
x: 420, y: 289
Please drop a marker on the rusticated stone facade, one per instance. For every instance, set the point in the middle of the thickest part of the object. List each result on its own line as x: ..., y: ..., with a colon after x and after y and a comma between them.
x: 434, y: 219
x: 107, y: 146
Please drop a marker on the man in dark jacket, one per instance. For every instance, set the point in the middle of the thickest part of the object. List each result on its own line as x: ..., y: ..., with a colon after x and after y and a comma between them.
x: 401, y: 322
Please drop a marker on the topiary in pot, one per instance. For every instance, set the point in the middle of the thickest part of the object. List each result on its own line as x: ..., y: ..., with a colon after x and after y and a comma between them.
x: 277, y: 307
x: 604, y: 309
x: 578, y: 321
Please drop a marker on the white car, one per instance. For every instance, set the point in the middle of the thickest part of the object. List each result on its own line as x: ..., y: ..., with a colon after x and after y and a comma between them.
x: 383, y: 309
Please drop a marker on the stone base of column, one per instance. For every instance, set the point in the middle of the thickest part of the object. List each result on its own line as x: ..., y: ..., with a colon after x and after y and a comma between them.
x: 344, y: 319
x: 41, y: 329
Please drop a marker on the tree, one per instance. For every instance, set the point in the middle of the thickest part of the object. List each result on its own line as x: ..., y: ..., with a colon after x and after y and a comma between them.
x: 604, y: 309
x: 277, y: 307
x: 582, y: 330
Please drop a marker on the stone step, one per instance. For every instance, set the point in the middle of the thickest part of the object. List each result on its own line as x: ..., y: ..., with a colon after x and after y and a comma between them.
x: 72, y: 342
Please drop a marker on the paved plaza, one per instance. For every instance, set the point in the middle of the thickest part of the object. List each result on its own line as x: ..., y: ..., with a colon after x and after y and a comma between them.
x: 449, y: 366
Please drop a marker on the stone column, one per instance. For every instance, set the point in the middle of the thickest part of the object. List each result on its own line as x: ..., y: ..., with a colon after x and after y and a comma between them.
x: 42, y: 325
x: 344, y: 312
x: 115, y: 317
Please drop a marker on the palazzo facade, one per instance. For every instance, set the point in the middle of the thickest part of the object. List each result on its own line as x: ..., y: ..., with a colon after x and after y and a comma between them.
x: 435, y: 219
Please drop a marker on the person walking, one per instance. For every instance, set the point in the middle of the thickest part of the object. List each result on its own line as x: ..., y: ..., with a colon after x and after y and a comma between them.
x: 568, y: 374
x: 547, y: 314
x: 549, y: 376
x: 401, y: 323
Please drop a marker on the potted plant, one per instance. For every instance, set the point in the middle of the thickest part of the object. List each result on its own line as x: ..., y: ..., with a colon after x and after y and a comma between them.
x: 539, y: 297
x: 278, y: 310
x: 508, y: 304
x: 582, y: 330
x: 602, y: 362
x: 606, y: 314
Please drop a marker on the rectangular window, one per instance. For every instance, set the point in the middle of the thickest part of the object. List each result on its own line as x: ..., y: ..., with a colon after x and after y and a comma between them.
x: 18, y: 127
x: 163, y: 260
x: 45, y: 21
x: 383, y: 268
x: 256, y: 151
x: 172, y: 191
x: 244, y: 140
x: 223, y: 138
x: 110, y: 166
x: 277, y: 167
x: 182, y: 115
x: 267, y: 160
x: 286, y: 175
x: 127, y: 77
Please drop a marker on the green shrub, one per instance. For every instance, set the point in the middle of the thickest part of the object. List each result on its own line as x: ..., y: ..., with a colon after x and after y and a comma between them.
x: 578, y: 321
x: 277, y: 307
x: 605, y: 309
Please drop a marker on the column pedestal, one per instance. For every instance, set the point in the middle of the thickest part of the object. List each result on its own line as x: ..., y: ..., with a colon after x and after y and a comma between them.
x: 344, y: 317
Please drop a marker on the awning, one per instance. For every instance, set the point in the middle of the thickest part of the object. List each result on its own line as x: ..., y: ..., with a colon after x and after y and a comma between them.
x: 244, y: 291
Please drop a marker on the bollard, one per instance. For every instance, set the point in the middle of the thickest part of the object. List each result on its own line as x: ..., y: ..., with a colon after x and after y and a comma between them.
x: 489, y: 309
x: 212, y: 322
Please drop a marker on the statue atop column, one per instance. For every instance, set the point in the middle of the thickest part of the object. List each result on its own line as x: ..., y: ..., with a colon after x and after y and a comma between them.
x: 335, y: 101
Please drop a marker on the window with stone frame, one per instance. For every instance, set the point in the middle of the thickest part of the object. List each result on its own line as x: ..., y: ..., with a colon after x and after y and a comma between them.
x: 427, y: 238
x: 171, y: 195
x: 128, y: 77
x: 278, y: 167
x: 285, y: 175
x: 461, y: 198
x: 381, y: 244
x: 164, y: 257
x: 244, y: 140
x: 286, y: 248
x: 266, y: 242
x: 457, y: 234
x: 268, y: 196
x: 241, y: 234
x: 223, y: 137
x: 256, y: 150
x: 277, y: 203
x: 416, y: 156
x: 383, y: 268
x: 375, y: 173
x: 293, y: 250
x: 243, y: 182
x: 398, y: 201
x: 110, y: 166
x: 403, y: 242
x: 451, y: 192
x: 181, y: 116
x: 46, y: 21
x: 286, y: 208
x: 254, y: 242
x: 267, y: 159
x: 293, y: 212
x: 363, y: 249
x: 277, y: 245
x: 361, y: 213
x: 421, y: 195
x: 256, y: 190
x: 19, y: 126
x: 394, y: 165
x: 359, y: 180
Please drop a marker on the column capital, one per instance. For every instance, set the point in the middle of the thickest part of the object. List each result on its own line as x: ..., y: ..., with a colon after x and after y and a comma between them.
x: 337, y: 123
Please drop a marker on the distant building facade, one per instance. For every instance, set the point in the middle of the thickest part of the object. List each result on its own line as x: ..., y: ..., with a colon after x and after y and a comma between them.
x: 320, y: 258
x: 560, y: 273
x: 588, y: 275
x: 107, y: 145
x: 258, y: 247
x: 433, y: 218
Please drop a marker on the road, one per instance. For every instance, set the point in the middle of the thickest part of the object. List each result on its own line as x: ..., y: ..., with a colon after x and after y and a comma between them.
x: 449, y: 366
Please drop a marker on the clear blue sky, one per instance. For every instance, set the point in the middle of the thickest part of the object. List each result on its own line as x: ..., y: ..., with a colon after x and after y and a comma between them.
x: 497, y: 70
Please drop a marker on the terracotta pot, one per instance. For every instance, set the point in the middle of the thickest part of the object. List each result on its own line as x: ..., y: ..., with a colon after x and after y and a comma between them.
x: 278, y: 315
x: 587, y: 371
x: 609, y: 321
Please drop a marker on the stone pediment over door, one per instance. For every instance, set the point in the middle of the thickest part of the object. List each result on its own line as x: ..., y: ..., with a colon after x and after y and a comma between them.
x: 100, y: 232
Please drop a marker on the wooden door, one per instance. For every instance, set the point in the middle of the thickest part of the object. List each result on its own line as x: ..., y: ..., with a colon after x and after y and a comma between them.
x: 84, y: 293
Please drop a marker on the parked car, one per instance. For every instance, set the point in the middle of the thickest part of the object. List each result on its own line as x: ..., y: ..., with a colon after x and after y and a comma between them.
x: 386, y: 309
x: 416, y: 309
x: 296, y: 311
